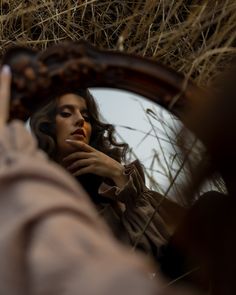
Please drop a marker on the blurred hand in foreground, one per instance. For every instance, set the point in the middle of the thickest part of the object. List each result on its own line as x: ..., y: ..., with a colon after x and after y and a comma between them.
x: 5, y: 87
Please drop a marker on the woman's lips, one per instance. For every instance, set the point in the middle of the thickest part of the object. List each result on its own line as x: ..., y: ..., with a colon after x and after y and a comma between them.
x: 78, y: 132
x: 77, y: 136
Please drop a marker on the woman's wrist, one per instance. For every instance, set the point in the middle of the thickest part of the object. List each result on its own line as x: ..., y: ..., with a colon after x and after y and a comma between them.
x: 119, y: 177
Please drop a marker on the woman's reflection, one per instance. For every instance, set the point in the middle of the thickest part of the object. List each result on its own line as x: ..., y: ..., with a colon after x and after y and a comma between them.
x: 70, y: 131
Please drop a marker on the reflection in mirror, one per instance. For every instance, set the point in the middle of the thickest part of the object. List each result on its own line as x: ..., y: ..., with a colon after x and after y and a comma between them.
x: 153, y: 135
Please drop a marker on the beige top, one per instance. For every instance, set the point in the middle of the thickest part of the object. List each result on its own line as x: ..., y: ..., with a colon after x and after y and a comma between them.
x: 52, y: 240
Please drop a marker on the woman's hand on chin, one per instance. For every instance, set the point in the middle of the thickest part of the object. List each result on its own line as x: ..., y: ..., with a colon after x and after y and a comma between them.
x: 89, y: 160
x: 5, y: 89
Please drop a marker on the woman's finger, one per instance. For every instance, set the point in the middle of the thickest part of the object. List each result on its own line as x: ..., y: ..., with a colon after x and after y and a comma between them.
x: 75, y: 156
x: 85, y: 170
x: 80, y: 163
x: 5, y: 89
x: 80, y: 145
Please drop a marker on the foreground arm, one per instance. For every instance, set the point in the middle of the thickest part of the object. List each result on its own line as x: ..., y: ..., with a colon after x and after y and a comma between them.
x: 52, y: 241
x: 49, y: 228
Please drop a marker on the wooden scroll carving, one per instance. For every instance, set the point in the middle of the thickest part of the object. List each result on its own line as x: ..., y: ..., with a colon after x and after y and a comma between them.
x: 39, y: 75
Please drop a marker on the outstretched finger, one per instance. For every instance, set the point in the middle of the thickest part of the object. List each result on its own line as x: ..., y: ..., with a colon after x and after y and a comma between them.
x: 80, y: 145
x: 5, y: 89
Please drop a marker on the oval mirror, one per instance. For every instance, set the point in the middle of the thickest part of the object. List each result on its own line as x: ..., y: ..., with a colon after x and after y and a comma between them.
x: 152, y: 134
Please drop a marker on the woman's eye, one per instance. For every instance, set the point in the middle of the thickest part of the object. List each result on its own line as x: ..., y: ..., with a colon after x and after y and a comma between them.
x: 86, y: 118
x: 65, y: 114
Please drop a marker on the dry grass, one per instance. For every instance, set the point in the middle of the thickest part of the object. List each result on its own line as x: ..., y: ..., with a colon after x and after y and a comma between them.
x: 193, y: 37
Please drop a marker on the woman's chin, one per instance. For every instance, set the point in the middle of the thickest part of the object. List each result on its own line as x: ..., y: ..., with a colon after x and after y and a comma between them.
x: 78, y: 137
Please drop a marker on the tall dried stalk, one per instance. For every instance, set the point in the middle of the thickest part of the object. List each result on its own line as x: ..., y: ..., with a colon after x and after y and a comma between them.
x: 194, y: 37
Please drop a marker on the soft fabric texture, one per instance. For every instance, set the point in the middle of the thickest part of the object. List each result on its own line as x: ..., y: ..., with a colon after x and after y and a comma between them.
x: 148, y: 220
x: 52, y: 240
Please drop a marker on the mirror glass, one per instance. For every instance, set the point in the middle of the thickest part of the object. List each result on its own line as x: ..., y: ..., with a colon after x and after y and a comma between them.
x: 154, y: 138
x: 153, y: 135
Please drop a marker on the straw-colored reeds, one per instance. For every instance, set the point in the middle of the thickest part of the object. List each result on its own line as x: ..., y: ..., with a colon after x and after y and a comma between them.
x: 194, y: 37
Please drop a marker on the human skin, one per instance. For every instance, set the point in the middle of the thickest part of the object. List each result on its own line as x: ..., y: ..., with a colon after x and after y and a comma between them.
x: 5, y: 79
x: 73, y: 132
x: 72, y: 122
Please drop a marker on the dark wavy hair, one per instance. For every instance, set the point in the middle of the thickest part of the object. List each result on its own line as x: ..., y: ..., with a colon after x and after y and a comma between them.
x: 42, y: 124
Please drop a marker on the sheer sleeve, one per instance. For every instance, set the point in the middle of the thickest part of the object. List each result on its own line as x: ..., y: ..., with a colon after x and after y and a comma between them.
x: 149, y: 218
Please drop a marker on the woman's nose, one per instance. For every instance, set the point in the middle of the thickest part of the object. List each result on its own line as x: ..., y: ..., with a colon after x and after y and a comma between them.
x: 79, y: 121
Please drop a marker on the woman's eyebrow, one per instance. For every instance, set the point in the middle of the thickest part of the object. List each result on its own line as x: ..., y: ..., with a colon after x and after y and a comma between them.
x: 66, y: 106
x: 72, y: 107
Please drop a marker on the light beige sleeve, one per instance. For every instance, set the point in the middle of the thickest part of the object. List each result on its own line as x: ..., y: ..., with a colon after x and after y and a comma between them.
x: 52, y: 240
x: 67, y: 256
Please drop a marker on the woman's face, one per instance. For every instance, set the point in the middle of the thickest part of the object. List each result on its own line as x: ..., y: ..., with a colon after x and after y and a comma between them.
x: 72, y: 122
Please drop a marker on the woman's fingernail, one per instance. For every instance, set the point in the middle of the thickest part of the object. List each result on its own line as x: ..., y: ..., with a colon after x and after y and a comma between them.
x: 68, y: 140
x: 6, y: 69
